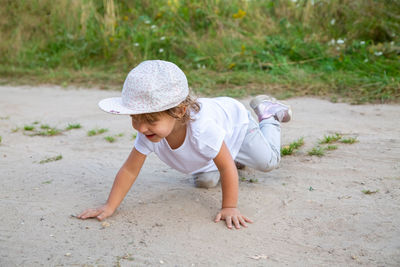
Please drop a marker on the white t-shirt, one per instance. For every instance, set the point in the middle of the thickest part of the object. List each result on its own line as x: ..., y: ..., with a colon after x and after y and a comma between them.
x: 219, y: 119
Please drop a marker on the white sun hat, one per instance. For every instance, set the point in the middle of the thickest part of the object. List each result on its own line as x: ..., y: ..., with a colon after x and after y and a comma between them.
x: 152, y: 86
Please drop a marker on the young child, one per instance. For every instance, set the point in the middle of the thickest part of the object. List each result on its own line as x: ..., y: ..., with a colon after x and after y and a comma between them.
x: 202, y: 137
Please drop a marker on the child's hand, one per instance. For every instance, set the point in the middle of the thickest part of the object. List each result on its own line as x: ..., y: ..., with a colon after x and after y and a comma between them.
x: 100, y: 213
x: 232, y: 215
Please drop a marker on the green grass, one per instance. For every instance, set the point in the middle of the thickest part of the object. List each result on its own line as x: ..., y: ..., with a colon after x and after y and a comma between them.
x: 350, y: 140
x: 292, y: 147
x: 341, y: 49
x: 96, y: 131
x: 73, y: 126
x: 1, y: 139
x: 369, y: 192
x: 250, y: 180
x: 332, y: 147
x: 317, y: 151
x: 50, y: 131
x: 110, y: 139
x: 43, y: 130
x: 328, y: 139
x: 56, y: 158
x: 29, y: 128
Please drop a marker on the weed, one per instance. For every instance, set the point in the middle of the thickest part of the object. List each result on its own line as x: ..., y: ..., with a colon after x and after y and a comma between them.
x: 44, y: 126
x: 120, y: 135
x: 317, y: 151
x: 311, y: 188
x: 59, y: 157
x: 331, y: 147
x: 29, y: 128
x: 92, y: 132
x: 250, y: 180
x: 102, y: 130
x: 14, y: 130
x: 110, y: 139
x: 292, y: 147
x: 96, y: 131
x: 369, y: 192
x: 0, y: 139
x: 73, y: 126
x: 36, y: 122
x: 134, y: 135
x: 5, y: 118
x: 350, y: 140
x: 328, y: 139
x: 48, y: 131
x: 47, y: 182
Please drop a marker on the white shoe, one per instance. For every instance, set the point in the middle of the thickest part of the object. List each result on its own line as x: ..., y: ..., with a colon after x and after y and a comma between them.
x: 206, y: 179
x: 266, y: 107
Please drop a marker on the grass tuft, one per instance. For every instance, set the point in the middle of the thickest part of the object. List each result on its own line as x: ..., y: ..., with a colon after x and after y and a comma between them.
x: 350, y: 140
x: 369, y: 192
x: 292, y: 147
x: 328, y: 139
x: 56, y: 158
x: 29, y: 128
x: 73, y: 126
x: 110, y: 139
x: 317, y: 151
x: 96, y: 131
x: 332, y: 147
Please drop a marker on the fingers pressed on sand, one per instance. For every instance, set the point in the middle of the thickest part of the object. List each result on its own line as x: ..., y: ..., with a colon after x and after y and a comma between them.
x: 236, y: 222
x: 228, y: 221
x: 242, y: 221
x: 218, y: 217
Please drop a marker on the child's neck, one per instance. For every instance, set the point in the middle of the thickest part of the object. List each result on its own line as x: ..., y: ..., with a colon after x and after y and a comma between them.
x: 176, y: 138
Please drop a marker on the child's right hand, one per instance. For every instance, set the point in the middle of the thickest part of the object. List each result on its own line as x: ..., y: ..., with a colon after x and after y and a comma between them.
x: 100, y: 213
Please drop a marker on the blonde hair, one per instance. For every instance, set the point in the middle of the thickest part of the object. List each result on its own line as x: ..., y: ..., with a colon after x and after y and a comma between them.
x: 189, y: 103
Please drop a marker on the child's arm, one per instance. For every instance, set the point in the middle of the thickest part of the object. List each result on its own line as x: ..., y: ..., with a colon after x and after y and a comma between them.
x: 229, y: 185
x: 122, y: 183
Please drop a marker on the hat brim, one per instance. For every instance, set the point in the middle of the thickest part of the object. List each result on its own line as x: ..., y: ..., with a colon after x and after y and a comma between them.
x: 114, y: 106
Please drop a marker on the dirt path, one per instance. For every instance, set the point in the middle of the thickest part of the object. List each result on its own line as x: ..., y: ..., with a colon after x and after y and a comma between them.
x: 310, y: 211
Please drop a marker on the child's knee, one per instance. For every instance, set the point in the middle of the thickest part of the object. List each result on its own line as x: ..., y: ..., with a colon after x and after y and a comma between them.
x: 268, y: 165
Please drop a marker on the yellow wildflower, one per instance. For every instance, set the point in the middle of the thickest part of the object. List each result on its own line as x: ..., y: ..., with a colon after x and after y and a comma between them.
x: 239, y: 15
x: 126, y: 18
x: 111, y: 39
x: 243, y: 49
x: 231, y: 66
x: 159, y: 15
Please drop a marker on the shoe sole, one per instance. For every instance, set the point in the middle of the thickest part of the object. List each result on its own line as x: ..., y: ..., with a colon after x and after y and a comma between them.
x: 260, y: 98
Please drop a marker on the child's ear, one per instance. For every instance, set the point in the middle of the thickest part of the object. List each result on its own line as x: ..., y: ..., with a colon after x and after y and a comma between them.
x: 182, y: 111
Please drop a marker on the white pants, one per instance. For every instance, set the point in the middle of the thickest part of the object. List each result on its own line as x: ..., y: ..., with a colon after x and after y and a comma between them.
x: 261, y: 148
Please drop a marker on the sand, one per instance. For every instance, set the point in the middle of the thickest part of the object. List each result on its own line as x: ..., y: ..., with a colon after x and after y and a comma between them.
x: 310, y: 211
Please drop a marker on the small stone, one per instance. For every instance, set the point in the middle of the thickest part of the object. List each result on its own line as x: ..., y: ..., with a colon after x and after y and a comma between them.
x: 68, y: 254
x: 105, y: 224
x: 161, y: 261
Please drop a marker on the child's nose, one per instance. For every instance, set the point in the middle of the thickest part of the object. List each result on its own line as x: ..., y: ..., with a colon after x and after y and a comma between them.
x: 140, y: 126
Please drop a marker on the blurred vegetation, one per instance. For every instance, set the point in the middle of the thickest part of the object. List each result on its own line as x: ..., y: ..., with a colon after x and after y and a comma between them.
x: 343, y: 49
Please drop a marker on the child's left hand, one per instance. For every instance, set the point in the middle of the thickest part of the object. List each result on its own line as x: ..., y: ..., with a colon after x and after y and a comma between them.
x: 232, y: 215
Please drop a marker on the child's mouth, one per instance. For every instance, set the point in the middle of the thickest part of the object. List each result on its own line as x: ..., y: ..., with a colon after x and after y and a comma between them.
x: 149, y: 136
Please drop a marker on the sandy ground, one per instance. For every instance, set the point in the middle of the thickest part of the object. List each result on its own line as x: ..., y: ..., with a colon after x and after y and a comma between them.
x: 164, y: 220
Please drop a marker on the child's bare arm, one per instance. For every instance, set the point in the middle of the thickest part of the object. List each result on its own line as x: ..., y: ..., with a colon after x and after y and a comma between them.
x: 123, y: 181
x: 230, y: 185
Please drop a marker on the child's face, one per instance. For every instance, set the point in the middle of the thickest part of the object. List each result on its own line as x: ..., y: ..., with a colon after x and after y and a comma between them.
x: 155, y: 131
